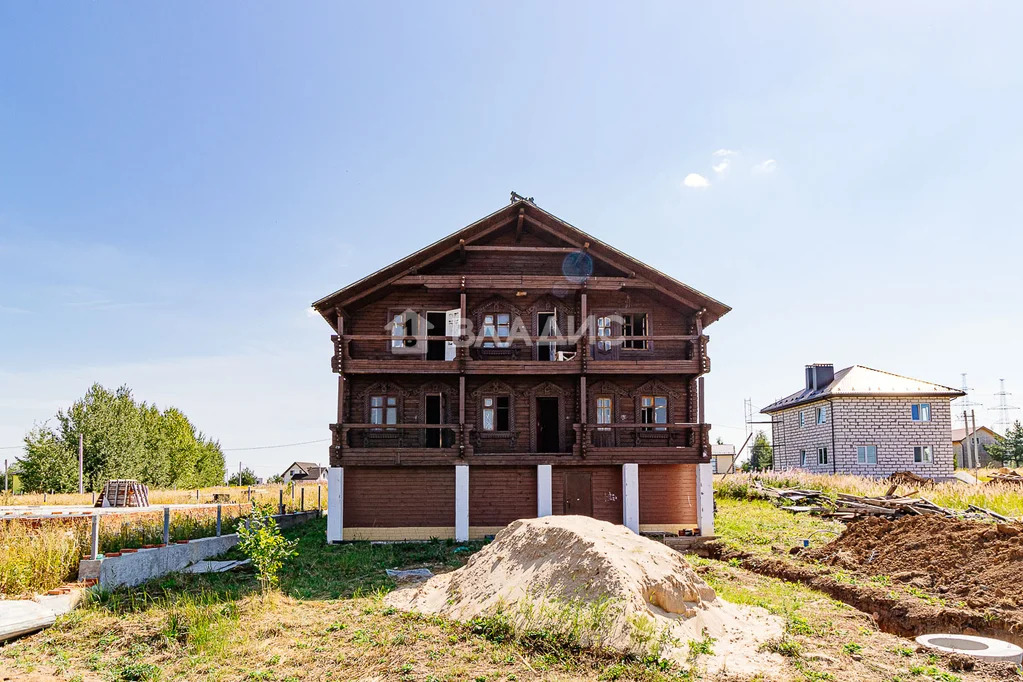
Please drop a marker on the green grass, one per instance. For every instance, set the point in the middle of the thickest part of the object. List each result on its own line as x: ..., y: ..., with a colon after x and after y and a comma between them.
x: 756, y: 526
x: 328, y: 616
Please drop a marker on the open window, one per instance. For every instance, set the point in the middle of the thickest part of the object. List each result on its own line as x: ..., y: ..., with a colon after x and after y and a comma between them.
x: 634, y: 325
x: 653, y: 409
x: 497, y: 413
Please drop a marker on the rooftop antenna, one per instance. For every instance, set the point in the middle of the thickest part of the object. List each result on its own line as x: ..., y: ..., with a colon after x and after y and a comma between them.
x: 964, y: 404
x: 1004, y: 408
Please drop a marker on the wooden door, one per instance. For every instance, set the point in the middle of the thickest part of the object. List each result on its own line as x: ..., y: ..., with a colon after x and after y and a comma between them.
x: 578, y: 493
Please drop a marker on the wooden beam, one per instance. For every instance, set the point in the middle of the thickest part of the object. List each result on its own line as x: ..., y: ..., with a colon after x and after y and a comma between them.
x: 461, y: 250
x: 521, y: 249
x: 518, y: 225
x: 426, y: 260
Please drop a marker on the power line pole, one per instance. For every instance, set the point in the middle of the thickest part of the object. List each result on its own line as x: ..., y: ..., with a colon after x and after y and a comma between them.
x: 5, y: 476
x: 81, y: 459
x: 1004, y: 408
x: 965, y: 403
x: 975, y: 443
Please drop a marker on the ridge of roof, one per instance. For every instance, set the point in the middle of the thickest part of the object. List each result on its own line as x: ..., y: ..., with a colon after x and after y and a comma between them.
x: 835, y: 388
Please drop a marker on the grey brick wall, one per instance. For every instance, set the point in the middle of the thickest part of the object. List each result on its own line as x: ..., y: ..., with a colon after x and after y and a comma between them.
x: 885, y: 422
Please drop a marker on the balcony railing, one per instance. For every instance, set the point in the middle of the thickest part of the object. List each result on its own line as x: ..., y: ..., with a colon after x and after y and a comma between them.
x: 438, y: 436
x: 369, y: 352
x: 645, y: 436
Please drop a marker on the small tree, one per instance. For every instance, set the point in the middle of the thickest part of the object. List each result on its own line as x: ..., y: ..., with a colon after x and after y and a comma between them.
x: 1009, y: 450
x: 761, y: 454
x: 247, y: 477
x: 261, y: 541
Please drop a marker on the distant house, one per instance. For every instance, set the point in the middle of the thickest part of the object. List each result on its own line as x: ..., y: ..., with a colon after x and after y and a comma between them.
x: 984, y: 437
x: 305, y: 472
x: 864, y: 421
x: 722, y: 459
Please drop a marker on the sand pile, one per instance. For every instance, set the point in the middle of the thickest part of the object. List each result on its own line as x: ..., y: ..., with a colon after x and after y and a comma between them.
x: 980, y: 563
x: 609, y: 586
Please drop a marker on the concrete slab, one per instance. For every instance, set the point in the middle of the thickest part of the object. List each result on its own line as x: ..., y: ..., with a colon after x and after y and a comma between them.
x: 22, y: 616
x: 138, y: 567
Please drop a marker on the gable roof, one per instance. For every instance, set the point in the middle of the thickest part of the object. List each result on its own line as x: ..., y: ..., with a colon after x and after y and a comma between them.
x: 507, y: 215
x: 864, y: 381
x: 960, y: 434
x: 723, y: 449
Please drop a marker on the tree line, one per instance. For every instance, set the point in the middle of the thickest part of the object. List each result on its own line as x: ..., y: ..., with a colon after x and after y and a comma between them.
x: 122, y: 438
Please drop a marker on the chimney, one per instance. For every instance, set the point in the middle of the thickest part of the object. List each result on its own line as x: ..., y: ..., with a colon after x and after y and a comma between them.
x: 819, y: 375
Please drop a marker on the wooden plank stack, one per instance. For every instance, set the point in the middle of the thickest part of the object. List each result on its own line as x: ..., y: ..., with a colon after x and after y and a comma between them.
x: 846, y: 507
x: 1006, y: 476
x: 123, y: 493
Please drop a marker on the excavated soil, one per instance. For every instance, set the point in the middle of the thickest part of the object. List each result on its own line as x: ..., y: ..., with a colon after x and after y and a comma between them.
x: 914, y: 575
x: 967, y: 562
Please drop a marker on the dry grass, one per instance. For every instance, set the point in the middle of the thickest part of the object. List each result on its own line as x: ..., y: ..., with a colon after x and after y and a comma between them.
x: 264, y: 494
x: 998, y: 497
x: 39, y: 554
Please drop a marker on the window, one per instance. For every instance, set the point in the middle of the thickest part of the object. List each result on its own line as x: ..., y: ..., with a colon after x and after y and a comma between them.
x: 923, y: 454
x: 603, y: 411
x: 822, y: 415
x: 496, y: 326
x: 497, y: 413
x: 802, y: 455
x: 604, y: 333
x: 383, y: 409
x: 403, y: 330
x: 802, y: 418
x: 866, y: 454
x: 822, y: 455
x: 921, y: 412
x: 634, y: 324
x: 654, y: 410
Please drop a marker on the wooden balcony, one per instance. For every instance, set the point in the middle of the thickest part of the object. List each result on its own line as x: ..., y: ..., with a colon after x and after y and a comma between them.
x: 568, y: 355
x: 381, y: 445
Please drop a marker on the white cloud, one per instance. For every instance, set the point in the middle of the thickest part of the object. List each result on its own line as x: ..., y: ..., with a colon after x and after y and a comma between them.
x: 696, y: 180
x: 721, y: 166
x: 768, y: 166
x: 725, y: 152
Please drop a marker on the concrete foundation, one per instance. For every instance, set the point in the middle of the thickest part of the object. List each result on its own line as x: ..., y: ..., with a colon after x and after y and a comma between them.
x: 144, y: 565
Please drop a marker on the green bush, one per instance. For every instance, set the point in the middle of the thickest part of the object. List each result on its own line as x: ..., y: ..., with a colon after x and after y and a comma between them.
x: 261, y: 541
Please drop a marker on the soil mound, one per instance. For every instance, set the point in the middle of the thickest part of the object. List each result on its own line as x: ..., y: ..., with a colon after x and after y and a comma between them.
x: 977, y: 563
x: 605, y: 586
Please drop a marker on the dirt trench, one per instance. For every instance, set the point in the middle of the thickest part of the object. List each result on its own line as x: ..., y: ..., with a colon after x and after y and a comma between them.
x: 894, y: 613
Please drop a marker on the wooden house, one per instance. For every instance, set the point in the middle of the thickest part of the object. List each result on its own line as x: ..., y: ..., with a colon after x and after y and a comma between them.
x: 517, y: 368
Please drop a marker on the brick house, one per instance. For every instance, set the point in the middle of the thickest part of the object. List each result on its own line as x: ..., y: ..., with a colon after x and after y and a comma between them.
x: 864, y: 421
x: 518, y: 367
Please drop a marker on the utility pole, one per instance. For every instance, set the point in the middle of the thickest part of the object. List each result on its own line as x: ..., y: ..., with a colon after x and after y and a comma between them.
x: 5, y: 476
x: 81, y: 458
x: 1004, y: 408
x: 239, y: 472
x: 975, y: 444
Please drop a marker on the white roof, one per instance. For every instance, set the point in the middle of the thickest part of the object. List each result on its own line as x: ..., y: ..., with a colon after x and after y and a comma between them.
x: 859, y: 380
x: 722, y: 449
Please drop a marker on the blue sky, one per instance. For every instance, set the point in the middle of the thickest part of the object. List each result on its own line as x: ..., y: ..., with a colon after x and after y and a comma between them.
x: 179, y: 181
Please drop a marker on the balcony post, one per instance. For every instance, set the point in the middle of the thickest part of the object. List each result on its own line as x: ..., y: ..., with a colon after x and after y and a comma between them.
x: 461, y: 416
x: 341, y: 383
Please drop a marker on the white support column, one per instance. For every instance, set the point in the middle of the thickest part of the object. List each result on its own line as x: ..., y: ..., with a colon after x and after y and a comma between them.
x: 543, y: 490
x: 630, y: 496
x: 461, y: 503
x: 335, y: 504
x: 705, y: 499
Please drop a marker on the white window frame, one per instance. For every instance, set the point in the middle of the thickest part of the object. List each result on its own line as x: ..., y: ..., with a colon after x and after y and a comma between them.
x: 604, y: 333
x: 822, y: 455
x: 923, y: 454
x: 822, y: 414
x: 864, y: 452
